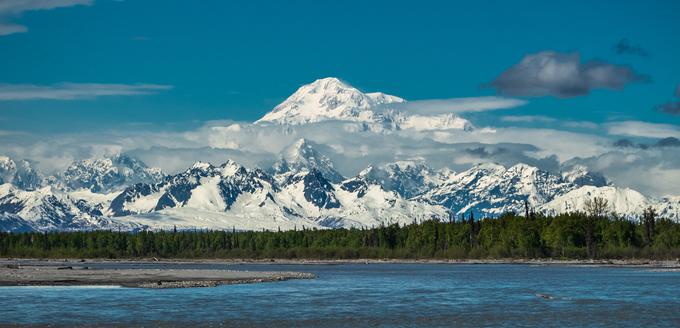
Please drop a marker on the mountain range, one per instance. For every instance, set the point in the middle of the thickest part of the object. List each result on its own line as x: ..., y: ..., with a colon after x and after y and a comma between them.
x: 303, y: 188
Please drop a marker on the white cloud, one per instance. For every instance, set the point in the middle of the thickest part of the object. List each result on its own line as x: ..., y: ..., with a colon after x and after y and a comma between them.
x: 71, y: 91
x: 580, y: 125
x: 352, y: 147
x: 653, y: 171
x: 527, y: 119
x: 643, y: 129
x: 10, y: 9
x: 7, y: 29
x: 457, y: 105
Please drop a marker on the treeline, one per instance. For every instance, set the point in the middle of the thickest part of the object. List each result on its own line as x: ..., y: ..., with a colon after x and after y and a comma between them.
x: 510, y: 236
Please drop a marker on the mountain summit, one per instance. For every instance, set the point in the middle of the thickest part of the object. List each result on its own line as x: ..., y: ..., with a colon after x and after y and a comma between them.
x: 302, y: 155
x: 330, y: 99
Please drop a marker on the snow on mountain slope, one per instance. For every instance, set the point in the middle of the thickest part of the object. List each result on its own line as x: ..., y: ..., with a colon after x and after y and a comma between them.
x: 327, y: 99
x: 491, y: 189
x: 191, y: 218
x: 14, y: 223
x: 302, y: 155
x: 375, y: 206
x: 203, y: 186
x: 309, y: 192
x: 580, y: 175
x: 107, y: 174
x: 331, y: 99
x: 669, y: 207
x: 351, y: 205
x: 407, y: 178
x: 45, y: 209
x: 234, y: 195
x: 7, y: 169
x: 620, y: 200
x: 20, y: 173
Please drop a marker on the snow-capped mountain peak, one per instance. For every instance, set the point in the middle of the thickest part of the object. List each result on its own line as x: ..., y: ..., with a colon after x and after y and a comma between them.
x: 20, y: 173
x: 580, y: 175
x: 407, y: 177
x: 107, y: 174
x: 490, y: 189
x: 230, y: 168
x: 327, y: 99
x: 380, y: 98
x: 302, y: 155
x: 201, y: 166
x: 330, y: 99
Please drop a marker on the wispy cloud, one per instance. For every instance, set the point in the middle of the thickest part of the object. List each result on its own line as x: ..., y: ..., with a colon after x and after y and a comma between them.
x: 665, y: 142
x: 580, y: 125
x: 73, y: 91
x: 672, y: 107
x: 562, y: 75
x: 457, y: 105
x: 642, y: 129
x: 10, y: 9
x: 624, y: 47
x: 527, y: 119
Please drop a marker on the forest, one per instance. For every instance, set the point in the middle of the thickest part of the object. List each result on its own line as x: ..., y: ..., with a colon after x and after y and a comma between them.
x: 567, y: 236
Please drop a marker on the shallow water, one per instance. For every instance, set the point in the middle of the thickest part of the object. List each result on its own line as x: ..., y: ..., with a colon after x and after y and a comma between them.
x: 372, y: 295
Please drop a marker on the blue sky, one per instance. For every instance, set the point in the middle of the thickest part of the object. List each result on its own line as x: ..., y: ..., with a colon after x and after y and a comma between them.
x: 237, y: 59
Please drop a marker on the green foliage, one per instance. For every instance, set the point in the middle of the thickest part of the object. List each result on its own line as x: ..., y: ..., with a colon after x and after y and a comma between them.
x: 574, y: 235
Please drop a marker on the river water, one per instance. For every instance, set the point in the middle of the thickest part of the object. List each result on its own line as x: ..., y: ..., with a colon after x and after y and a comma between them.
x: 389, y: 295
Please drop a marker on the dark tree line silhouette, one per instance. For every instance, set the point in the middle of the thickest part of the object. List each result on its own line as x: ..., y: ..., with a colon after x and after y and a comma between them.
x: 575, y: 235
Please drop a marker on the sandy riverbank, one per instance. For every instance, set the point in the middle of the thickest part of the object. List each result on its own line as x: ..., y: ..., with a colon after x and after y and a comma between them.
x: 17, y: 273
x: 597, y: 262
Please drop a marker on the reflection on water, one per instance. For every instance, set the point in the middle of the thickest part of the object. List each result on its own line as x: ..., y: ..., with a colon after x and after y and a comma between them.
x: 372, y: 295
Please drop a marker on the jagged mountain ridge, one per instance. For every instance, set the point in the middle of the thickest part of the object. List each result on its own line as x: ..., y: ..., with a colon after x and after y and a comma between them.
x: 491, y: 189
x: 407, y: 178
x: 302, y: 155
x: 236, y: 192
x: 49, y: 209
x: 230, y: 196
x: 103, y: 175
